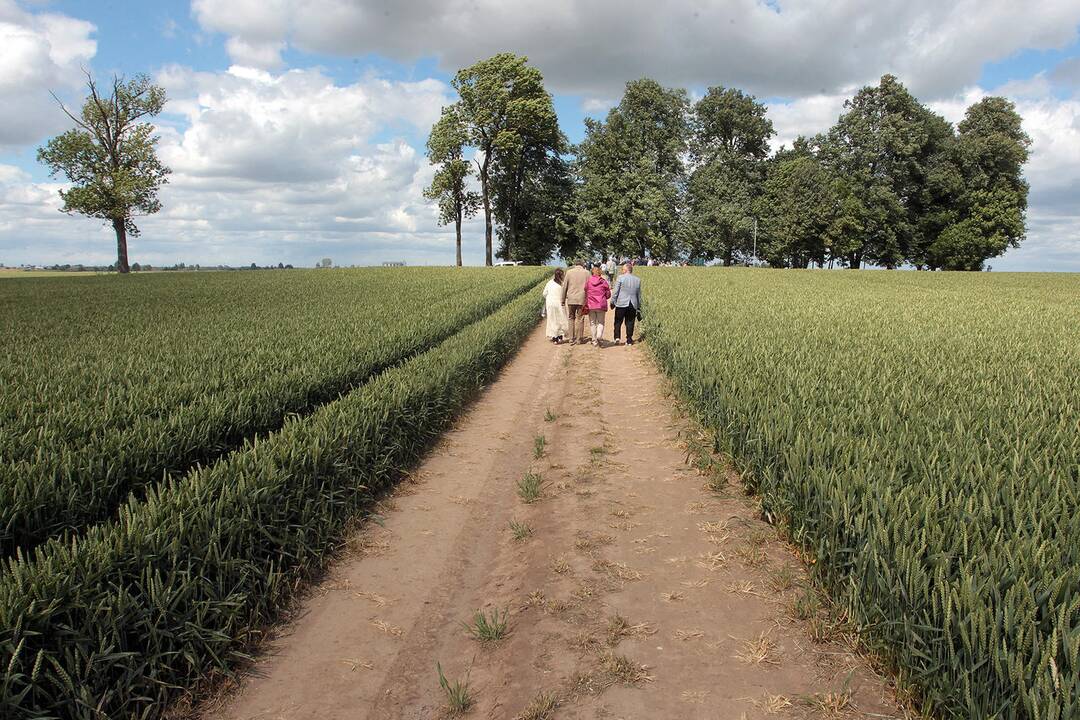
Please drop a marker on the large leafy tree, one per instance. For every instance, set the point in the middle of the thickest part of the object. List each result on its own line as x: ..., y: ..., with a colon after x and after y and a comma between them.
x: 506, y: 113
x: 729, y: 124
x: 729, y: 144
x: 632, y: 173
x: 110, y: 157
x: 545, y: 212
x: 991, y: 194
x: 449, y: 187
x: 882, y: 148
x: 797, y: 208
x: 527, y: 179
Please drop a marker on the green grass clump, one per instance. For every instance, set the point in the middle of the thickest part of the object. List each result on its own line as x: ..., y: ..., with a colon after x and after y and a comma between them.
x: 458, y: 696
x: 489, y: 627
x: 520, y: 530
x: 539, y: 445
x: 530, y: 487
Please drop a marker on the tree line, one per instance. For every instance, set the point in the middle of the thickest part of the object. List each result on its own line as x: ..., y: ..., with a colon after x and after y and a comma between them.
x: 890, y: 184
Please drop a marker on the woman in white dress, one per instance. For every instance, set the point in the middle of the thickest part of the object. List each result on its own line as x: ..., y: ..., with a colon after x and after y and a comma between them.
x: 553, y: 308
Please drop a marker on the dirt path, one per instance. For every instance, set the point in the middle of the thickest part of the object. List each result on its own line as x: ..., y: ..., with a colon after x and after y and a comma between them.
x: 639, y: 593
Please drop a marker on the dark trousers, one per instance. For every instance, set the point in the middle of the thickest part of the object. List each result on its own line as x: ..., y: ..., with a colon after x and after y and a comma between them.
x: 628, y: 315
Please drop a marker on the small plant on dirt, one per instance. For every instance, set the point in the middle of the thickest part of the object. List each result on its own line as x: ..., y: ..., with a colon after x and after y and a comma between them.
x: 487, y: 628
x: 773, y: 704
x: 616, y: 570
x: 618, y: 628
x: 821, y: 630
x: 530, y: 487
x: 586, y: 643
x: 621, y: 669
x: 717, y: 482
x: 542, y: 707
x: 805, y: 605
x: 596, y: 454
x: 588, y: 543
x: 458, y: 697
x: 759, y: 538
x: 830, y: 704
x: 752, y: 555
x: 586, y: 591
x: 539, y: 446
x: 699, y: 456
x: 759, y: 650
x: 549, y: 416
x: 783, y: 579
x: 520, y: 530
x: 587, y: 682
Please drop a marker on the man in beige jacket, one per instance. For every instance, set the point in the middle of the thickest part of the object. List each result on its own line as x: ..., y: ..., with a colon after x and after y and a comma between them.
x: 573, y: 296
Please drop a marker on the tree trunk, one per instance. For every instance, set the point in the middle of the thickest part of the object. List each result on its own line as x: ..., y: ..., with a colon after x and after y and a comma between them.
x: 854, y: 261
x: 519, y: 177
x: 121, y: 246
x: 512, y: 239
x: 487, y: 208
x: 457, y: 226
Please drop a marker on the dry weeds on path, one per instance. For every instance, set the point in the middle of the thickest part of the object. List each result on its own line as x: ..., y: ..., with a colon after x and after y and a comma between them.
x: 556, y: 557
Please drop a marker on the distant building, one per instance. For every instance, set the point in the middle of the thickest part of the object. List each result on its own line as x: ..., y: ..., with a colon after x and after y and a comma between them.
x: 394, y: 263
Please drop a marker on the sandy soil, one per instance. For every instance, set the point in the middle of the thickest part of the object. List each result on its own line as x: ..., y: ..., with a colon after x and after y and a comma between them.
x: 640, y: 592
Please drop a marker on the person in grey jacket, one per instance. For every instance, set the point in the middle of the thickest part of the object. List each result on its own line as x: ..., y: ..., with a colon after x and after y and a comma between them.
x: 626, y: 299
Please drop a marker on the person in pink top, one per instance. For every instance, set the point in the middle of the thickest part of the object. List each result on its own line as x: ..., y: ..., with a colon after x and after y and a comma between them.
x: 597, y: 292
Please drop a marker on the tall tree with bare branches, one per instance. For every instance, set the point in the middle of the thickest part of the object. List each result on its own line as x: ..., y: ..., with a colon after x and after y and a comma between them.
x: 110, y: 157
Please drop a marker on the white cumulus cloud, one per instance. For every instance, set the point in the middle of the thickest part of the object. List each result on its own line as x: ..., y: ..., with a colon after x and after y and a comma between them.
x: 38, y: 53
x: 289, y: 166
x: 789, y: 48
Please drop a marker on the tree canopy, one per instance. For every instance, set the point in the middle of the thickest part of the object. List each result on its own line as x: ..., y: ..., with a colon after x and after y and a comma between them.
x: 110, y: 157
x: 449, y: 186
x: 990, y: 199
x: 632, y: 173
x: 797, y: 209
x: 891, y: 183
x: 509, y: 118
x: 729, y: 145
x: 895, y: 183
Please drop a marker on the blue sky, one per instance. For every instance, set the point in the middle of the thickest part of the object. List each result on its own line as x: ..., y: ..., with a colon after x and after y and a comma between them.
x: 296, y: 129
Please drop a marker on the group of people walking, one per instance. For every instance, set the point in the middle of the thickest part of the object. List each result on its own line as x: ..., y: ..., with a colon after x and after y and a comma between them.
x: 575, y: 294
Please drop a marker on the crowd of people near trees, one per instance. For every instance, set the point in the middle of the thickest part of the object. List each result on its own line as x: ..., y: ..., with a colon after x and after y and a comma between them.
x: 891, y: 184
